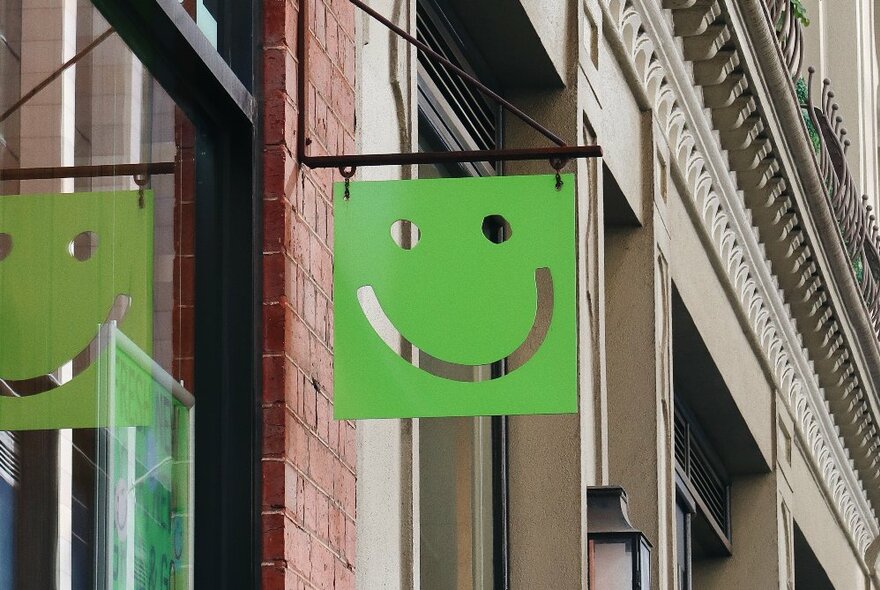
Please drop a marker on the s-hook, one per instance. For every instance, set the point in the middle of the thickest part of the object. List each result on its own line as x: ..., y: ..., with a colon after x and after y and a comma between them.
x: 141, y: 180
x: 558, y: 164
x: 347, y: 172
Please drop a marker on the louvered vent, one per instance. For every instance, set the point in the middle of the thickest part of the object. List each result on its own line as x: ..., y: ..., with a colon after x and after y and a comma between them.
x: 467, y: 105
x: 705, y: 480
x: 9, y: 466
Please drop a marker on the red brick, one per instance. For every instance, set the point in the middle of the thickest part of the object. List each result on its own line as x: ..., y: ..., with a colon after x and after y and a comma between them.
x: 275, y: 577
x: 310, y: 495
x: 300, y: 340
x: 279, y: 23
x: 344, y: 488
x: 279, y: 173
x: 274, y: 526
x: 337, y: 529
x: 331, y: 34
x: 300, y: 554
x: 310, y: 394
x: 333, y: 433
x: 320, y: 22
x: 298, y: 439
x: 274, y: 386
x: 344, y: 577
x: 279, y: 73
x: 185, y: 229
x: 323, y: 574
x: 274, y: 328
x: 350, y: 540
x: 184, y: 329
x: 322, y: 517
x: 324, y: 417
x: 320, y: 67
x: 184, y: 280
x: 274, y: 431
x: 274, y: 276
x: 302, y: 240
x: 275, y: 223
x: 273, y: 484
x: 321, y: 464
x: 345, y: 14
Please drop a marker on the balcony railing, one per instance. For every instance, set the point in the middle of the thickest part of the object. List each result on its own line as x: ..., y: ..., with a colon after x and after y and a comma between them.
x: 787, y: 19
x: 855, y: 217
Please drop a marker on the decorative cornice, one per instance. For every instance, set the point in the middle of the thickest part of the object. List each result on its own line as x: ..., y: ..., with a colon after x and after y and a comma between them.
x: 641, y: 36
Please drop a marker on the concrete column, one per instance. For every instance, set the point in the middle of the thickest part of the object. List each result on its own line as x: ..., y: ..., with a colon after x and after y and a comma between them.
x: 388, y: 459
x: 638, y: 341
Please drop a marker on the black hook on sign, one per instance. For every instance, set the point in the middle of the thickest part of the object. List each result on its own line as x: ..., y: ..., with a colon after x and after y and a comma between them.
x: 347, y: 172
x: 141, y: 180
x: 558, y: 164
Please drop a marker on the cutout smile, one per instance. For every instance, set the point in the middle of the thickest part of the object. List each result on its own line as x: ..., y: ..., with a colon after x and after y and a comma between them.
x: 392, y: 337
x: 79, y: 363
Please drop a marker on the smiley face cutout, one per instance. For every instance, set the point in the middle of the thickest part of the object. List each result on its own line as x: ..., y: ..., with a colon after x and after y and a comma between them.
x: 68, y: 263
x: 455, y: 297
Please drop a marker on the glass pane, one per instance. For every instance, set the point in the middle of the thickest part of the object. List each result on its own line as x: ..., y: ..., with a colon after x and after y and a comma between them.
x: 457, y: 542
x: 96, y: 237
x: 206, y: 14
x: 612, y: 565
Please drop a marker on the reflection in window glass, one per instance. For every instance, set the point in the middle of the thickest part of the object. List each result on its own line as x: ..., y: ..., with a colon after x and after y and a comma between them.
x: 85, y: 246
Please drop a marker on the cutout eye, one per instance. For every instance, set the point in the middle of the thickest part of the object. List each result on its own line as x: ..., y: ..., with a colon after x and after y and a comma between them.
x: 496, y: 229
x: 405, y: 234
x: 83, y: 246
x: 5, y: 245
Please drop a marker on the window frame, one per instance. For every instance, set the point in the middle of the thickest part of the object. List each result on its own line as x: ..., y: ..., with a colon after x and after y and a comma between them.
x: 214, y: 89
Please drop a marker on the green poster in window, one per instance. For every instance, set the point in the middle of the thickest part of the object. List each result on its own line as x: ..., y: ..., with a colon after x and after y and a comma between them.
x: 69, y: 262
x: 455, y: 297
x: 148, y: 471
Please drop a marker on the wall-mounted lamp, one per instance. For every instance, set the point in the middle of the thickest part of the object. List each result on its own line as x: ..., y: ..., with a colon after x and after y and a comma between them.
x: 619, y: 554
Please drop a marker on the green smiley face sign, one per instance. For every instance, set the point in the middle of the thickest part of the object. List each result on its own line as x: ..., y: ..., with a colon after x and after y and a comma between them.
x: 68, y: 262
x: 436, y: 313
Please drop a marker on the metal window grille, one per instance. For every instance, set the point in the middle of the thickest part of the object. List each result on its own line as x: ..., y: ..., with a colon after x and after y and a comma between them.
x: 475, y: 118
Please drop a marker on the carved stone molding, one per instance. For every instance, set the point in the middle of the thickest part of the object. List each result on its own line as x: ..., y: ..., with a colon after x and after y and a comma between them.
x: 641, y: 34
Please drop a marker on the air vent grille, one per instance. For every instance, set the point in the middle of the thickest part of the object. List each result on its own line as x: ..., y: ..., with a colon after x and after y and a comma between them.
x: 706, y: 481
x: 9, y: 465
x: 467, y: 105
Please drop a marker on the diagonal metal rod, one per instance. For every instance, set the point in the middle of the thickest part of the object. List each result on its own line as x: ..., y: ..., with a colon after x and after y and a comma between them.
x: 54, y: 75
x: 463, y: 74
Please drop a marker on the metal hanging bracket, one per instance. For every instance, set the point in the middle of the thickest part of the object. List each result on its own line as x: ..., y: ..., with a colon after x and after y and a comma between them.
x: 560, y: 153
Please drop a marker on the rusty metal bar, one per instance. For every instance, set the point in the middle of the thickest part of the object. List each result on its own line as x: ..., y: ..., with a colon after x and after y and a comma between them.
x: 107, y: 170
x: 54, y: 75
x: 559, y: 154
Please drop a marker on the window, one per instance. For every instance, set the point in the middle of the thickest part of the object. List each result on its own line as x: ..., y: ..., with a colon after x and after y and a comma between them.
x: 462, y: 461
x: 115, y: 177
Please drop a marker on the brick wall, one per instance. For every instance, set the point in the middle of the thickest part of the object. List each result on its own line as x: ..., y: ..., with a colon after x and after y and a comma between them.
x: 308, y: 459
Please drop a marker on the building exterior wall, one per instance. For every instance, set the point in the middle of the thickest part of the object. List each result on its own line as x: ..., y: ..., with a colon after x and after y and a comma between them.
x: 684, y: 216
x: 722, y: 319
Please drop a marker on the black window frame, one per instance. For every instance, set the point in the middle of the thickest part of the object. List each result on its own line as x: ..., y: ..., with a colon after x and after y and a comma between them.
x: 216, y: 90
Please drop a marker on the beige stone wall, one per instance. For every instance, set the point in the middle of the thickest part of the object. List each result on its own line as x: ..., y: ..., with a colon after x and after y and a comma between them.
x: 628, y: 270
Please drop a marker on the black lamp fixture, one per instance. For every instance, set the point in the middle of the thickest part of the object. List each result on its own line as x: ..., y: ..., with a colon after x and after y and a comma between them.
x: 619, y: 554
